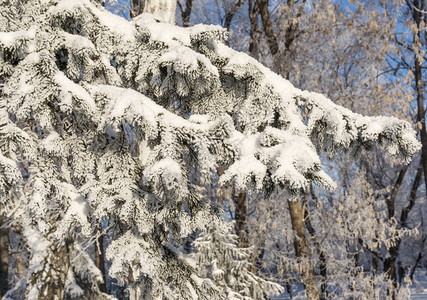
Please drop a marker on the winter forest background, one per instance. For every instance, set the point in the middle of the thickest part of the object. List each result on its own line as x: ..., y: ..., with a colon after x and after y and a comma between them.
x: 143, y: 156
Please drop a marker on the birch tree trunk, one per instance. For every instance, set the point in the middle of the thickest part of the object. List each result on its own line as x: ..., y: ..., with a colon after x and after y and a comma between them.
x: 164, y: 10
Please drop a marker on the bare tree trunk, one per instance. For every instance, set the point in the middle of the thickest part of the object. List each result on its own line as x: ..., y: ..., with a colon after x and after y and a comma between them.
x: 268, y: 26
x: 390, y: 271
x: 412, y: 196
x: 186, y: 13
x: 301, y: 250
x: 137, y: 7
x: 418, y: 77
x: 258, y: 254
x: 411, y: 274
x: 322, y: 256
x: 281, y: 58
x: 100, y: 262
x: 392, y: 198
x: 253, y: 35
x: 240, y: 216
x: 230, y: 15
x: 4, y: 257
x: 390, y: 261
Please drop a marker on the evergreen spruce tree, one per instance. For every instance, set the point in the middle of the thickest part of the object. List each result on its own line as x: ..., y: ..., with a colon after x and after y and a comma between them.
x: 220, y: 259
x: 102, y: 118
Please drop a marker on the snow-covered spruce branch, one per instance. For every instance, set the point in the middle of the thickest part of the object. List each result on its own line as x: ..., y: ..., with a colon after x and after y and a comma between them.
x: 76, y: 76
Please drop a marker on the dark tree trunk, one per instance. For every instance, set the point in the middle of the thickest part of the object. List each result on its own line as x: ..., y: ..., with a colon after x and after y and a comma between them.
x: 390, y: 271
x: 137, y: 7
x: 418, y: 77
x: 323, y: 273
x: 258, y: 255
x: 390, y: 262
x: 230, y: 15
x: 268, y: 26
x: 100, y: 262
x: 187, y: 13
x: 411, y: 274
x: 240, y: 216
x: 322, y: 256
x: 254, y: 34
x: 4, y: 257
x: 412, y: 196
x: 301, y: 250
x: 392, y: 198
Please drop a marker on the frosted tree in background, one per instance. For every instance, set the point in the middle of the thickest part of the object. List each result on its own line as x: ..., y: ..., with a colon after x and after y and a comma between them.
x: 357, y: 54
x: 105, y: 119
x: 220, y: 259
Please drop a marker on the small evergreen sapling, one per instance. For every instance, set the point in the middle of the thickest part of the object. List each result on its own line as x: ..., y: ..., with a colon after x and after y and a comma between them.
x: 221, y: 259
